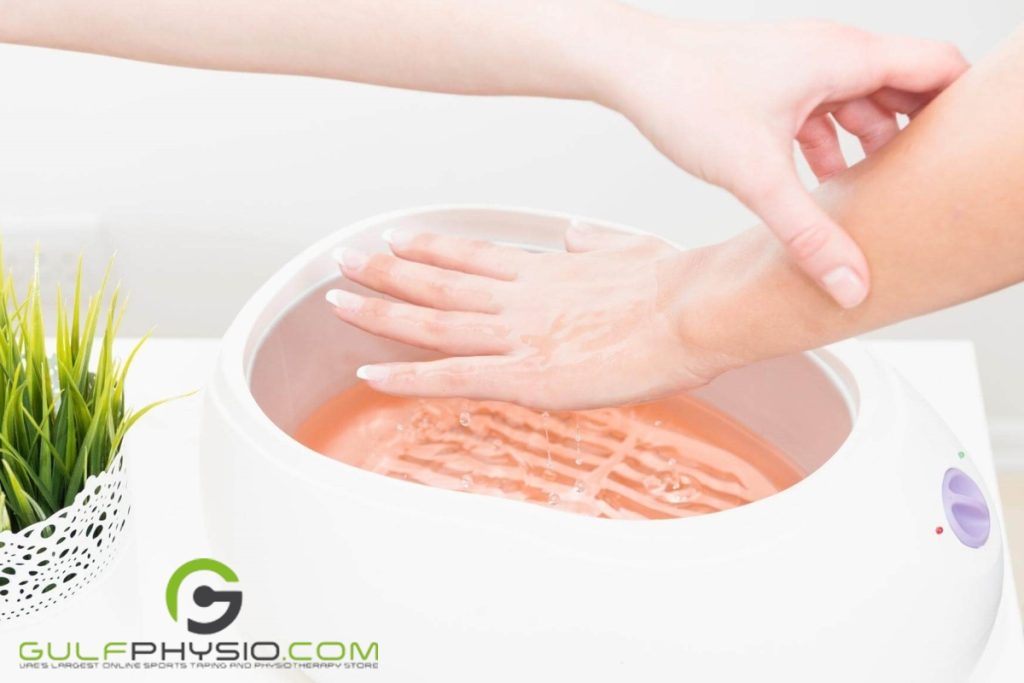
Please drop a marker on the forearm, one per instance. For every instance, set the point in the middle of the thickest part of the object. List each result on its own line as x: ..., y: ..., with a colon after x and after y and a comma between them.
x: 939, y: 213
x: 530, y: 47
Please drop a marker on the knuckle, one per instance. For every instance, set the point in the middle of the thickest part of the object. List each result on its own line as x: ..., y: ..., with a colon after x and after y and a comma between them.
x: 953, y: 54
x: 405, y: 377
x: 648, y: 242
x: 807, y: 242
x: 874, y: 133
x: 838, y: 31
x: 761, y: 190
x: 435, y: 325
x: 473, y: 248
x: 851, y: 36
x: 833, y: 32
x: 375, y: 308
x: 814, y: 141
x: 458, y: 380
x: 443, y: 288
x: 449, y: 324
x: 424, y: 241
x: 815, y: 27
x: 379, y: 267
x: 446, y: 318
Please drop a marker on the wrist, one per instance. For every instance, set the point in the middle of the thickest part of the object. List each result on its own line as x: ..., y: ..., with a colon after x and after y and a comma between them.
x: 745, y: 301
x: 726, y: 308
x: 699, y: 295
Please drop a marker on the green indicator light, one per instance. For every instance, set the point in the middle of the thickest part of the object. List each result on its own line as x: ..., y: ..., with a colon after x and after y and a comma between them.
x: 961, y: 455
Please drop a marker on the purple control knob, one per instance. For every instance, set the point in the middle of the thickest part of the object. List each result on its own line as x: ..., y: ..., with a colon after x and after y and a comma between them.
x: 965, y: 508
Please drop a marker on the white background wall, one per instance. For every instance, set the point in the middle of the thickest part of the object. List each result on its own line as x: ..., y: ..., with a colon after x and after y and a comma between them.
x: 206, y: 182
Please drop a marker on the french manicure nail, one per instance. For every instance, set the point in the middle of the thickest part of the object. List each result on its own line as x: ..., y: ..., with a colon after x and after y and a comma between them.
x: 347, y: 301
x: 372, y: 373
x: 397, y: 237
x: 350, y: 258
x: 845, y: 286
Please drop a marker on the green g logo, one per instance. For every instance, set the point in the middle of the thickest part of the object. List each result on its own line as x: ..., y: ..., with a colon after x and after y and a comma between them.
x: 204, y: 596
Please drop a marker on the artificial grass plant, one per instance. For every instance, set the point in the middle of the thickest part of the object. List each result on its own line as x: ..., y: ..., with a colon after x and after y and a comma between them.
x: 62, y: 416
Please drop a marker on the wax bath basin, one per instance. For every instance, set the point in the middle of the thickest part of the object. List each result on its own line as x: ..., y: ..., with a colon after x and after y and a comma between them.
x: 843, y: 576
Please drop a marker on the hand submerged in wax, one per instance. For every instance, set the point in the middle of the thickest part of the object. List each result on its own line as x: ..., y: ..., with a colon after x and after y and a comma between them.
x: 596, y: 325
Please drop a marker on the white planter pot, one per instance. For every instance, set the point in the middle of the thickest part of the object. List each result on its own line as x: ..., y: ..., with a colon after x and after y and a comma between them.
x: 45, y: 563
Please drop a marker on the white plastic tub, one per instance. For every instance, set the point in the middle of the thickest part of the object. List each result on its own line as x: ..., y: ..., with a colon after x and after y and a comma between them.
x: 842, y: 577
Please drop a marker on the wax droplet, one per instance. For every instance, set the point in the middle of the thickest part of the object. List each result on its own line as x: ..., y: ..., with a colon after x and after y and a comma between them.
x: 579, y: 487
x: 466, y: 482
x: 553, y: 499
x: 464, y: 418
x: 687, y: 494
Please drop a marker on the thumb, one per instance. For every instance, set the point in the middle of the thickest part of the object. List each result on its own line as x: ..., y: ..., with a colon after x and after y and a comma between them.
x: 818, y: 245
x: 916, y: 65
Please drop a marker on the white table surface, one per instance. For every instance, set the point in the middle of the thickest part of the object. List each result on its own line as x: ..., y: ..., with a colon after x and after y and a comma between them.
x: 126, y: 603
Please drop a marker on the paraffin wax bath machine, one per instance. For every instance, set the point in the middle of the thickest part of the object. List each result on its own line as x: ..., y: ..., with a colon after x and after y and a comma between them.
x: 883, y: 563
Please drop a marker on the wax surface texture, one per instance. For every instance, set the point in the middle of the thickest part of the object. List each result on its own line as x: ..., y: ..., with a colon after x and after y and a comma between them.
x: 670, y: 458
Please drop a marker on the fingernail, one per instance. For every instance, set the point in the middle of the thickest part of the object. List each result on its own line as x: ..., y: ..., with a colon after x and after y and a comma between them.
x: 845, y: 286
x: 372, y: 373
x: 346, y: 301
x: 350, y: 258
x: 397, y: 237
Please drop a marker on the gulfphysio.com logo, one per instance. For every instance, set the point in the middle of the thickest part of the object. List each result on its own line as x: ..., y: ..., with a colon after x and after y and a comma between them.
x: 221, y: 605
x: 204, y: 596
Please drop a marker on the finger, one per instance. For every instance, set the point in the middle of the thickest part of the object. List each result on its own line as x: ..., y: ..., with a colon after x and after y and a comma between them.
x: 916, y: 65
x: 819, y: 144
x: 872, y: 125
x: 476, y: 257
x: 475, y: 377
x: 417, y: 283
x: 902, y: 101
x: 814, y: 241
x: 445, y: 331
x: 863, y: 63
x: 582, y: 236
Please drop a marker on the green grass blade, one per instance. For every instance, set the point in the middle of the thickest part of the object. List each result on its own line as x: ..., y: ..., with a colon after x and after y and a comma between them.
x: 24, y: 508
x: 5, y: 519
x: 55, y: 432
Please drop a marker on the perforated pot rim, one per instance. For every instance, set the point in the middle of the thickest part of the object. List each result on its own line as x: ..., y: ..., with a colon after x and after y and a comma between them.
x: 46, y: 563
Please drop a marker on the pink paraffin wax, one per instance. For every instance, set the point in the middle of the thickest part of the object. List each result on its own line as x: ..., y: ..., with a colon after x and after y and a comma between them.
x: 669, y: 458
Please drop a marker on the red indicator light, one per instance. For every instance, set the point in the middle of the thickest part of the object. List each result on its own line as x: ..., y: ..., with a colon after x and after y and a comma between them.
x: 938, y: 530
